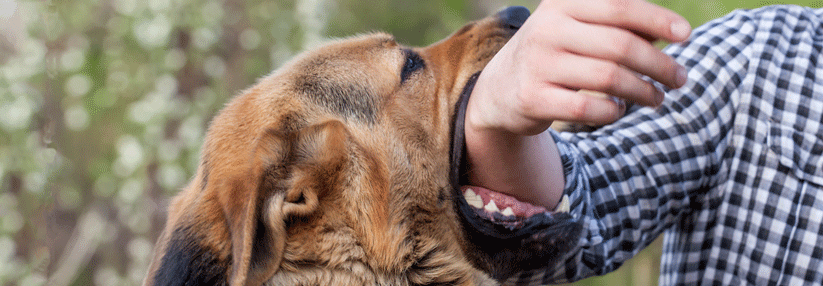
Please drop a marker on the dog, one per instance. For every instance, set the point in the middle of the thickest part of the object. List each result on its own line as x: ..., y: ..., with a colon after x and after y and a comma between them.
x: 345, y: 167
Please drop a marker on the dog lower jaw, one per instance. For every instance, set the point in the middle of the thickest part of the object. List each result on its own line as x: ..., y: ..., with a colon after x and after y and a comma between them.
x: 505, y: 209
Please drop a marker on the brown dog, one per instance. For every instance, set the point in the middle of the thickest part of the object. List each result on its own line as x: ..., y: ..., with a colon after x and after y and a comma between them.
x: 334, y: 170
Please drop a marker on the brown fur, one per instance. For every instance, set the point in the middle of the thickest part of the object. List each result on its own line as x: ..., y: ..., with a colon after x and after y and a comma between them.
x: 332, y: 171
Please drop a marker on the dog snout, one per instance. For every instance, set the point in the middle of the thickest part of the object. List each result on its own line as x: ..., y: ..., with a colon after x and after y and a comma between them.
x: 513, y: 17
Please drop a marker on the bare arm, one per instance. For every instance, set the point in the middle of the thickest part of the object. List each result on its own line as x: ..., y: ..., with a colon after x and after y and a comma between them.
x: 563, y: 47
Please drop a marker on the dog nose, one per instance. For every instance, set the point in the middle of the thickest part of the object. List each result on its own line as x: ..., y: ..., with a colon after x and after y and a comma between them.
x: 513, y: 17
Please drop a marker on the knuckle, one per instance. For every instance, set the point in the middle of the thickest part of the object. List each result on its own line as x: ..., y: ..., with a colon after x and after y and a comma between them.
x: 579, y: 108
x: 618, y: 9
x: 530, y: 42
x: 536, y: 39
x: 607, y: 76
x: 621, y: 47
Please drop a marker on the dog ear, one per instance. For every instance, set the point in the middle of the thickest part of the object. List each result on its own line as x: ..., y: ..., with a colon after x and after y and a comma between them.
x: 315, y: 156
x: 233, y: 232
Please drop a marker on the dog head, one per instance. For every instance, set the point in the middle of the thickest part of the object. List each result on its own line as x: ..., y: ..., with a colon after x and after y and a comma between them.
x: 335, y: 170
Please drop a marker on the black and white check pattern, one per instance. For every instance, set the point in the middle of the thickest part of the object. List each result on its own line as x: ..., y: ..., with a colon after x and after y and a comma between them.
x: 730, y: 168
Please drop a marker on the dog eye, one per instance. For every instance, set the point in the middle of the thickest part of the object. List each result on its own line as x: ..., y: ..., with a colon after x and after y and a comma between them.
x: 412, y: 64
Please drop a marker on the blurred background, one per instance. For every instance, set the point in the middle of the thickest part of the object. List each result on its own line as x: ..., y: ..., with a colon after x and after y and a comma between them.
x: 104, y: 104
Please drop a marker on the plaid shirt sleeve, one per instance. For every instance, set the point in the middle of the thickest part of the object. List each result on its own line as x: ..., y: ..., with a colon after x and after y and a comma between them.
x: 729, y: 168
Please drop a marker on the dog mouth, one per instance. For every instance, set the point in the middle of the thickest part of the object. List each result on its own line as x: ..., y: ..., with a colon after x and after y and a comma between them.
x: 505, y: 235
x: 504, y: 209
x: 487, y: 205
x: 502, y: 215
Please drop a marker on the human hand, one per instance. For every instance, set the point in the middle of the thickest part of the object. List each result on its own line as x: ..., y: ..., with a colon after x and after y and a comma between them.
x: 566, y: 46
x: 563, y: 47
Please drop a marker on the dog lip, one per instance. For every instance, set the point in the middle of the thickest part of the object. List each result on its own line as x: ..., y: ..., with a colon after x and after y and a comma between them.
x: 457, y: 164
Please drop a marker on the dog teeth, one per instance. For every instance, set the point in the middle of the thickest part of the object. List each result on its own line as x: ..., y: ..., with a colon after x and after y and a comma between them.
x: 563, y: 206
x: 491, y: 207
x: 507, y: 212
x: 473, y: 199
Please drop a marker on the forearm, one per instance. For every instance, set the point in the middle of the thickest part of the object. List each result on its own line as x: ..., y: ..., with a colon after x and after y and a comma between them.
x: 526, y: 167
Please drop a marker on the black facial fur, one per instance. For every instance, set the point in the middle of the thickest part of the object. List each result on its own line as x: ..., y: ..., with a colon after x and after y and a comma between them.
x: 188, y: 264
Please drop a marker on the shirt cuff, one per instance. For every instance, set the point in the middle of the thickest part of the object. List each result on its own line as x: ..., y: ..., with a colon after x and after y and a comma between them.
x: 574, y: 172
x: 578, y: 189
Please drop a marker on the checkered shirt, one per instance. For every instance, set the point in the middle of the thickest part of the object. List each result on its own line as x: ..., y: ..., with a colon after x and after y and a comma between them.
x: 730, y: 167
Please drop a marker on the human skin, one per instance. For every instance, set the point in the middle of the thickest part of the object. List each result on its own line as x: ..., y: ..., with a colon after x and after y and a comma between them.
x: 563, y: 47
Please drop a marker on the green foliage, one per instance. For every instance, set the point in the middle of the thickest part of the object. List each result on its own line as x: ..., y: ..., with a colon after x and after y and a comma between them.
x: 104, y: 105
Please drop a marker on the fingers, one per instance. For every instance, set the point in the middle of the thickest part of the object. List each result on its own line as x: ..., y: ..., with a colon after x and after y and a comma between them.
x: 567, y: 105
x: 635, y: 15
x: 579, y: 72
x: 624, y: 48
x: 605, y: 50
x: 566, y: 46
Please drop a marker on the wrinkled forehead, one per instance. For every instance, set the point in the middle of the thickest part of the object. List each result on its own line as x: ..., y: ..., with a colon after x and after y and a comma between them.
x: 364, y: 53
x: 348, y: 76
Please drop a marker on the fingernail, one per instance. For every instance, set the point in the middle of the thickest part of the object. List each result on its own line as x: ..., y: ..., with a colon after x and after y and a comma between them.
x: 681, y: 77
x: 621, y: 104
x: 658, y: 97
x: 681, y: 29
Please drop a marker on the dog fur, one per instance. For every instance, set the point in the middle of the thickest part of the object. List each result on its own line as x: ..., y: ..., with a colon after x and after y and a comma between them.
x: 334, y: 170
